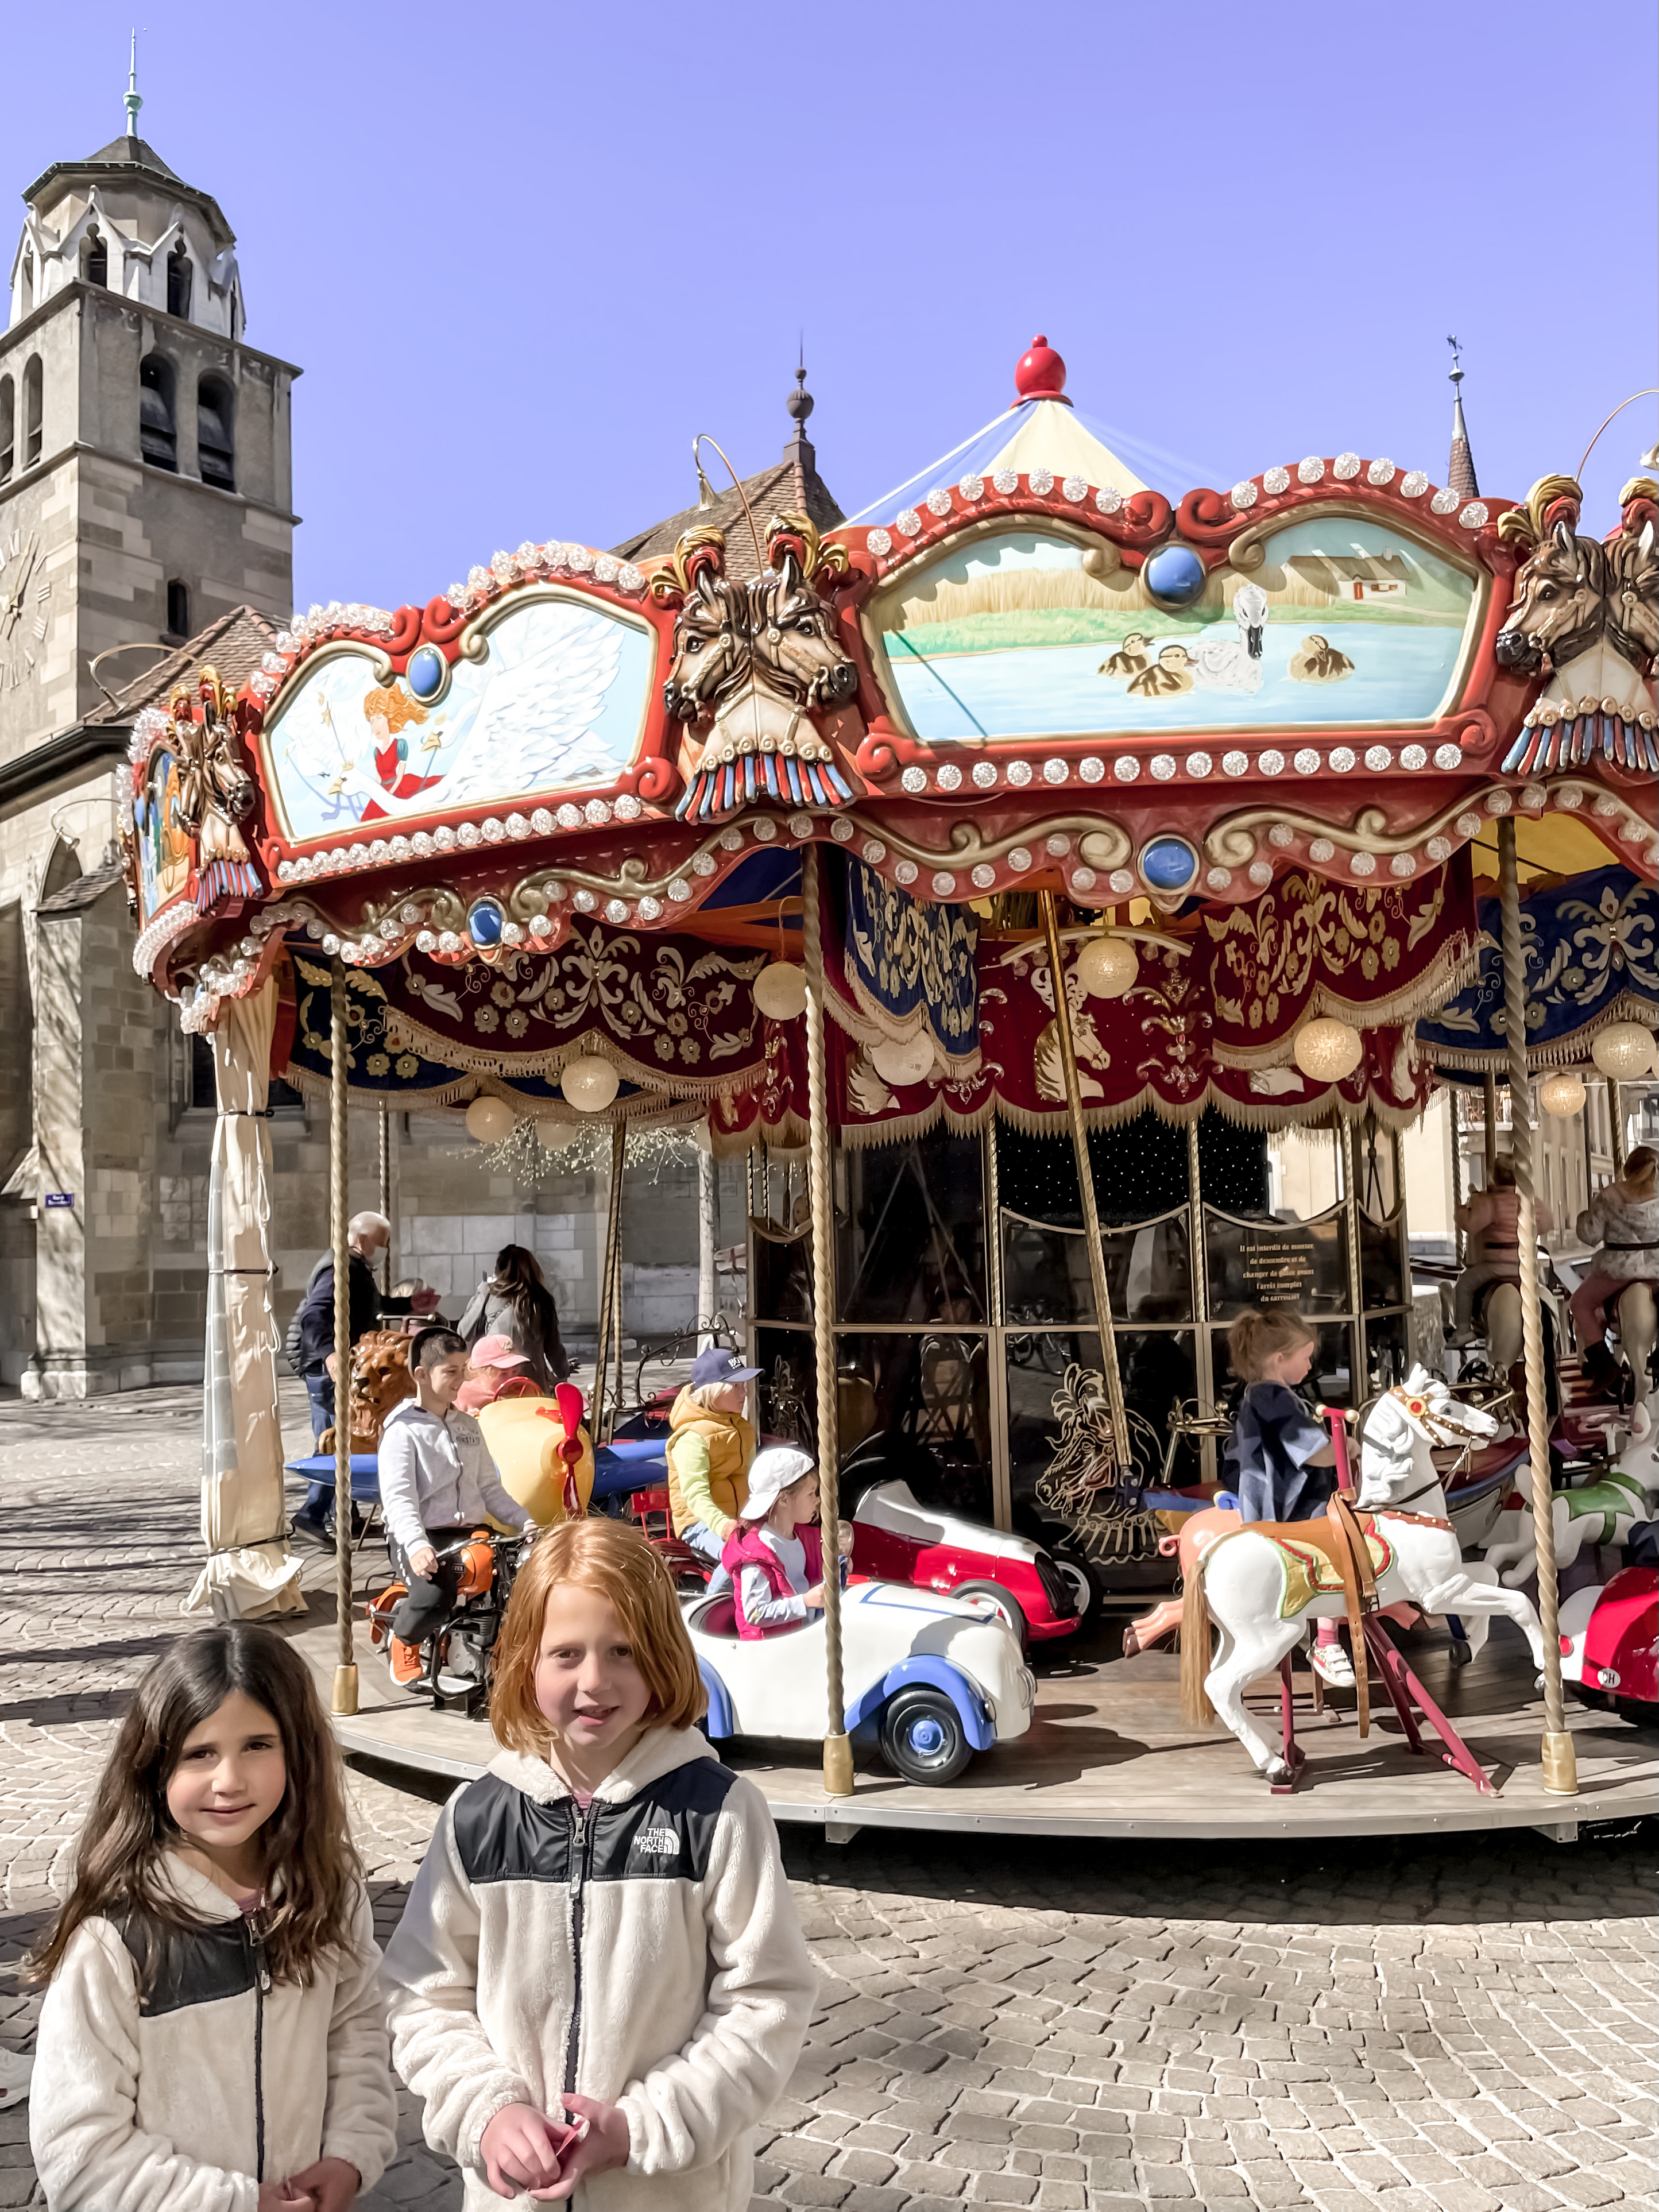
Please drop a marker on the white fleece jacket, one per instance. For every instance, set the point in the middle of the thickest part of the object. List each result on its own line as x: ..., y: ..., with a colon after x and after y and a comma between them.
x: 648, y: 1954
x: 184, y: 2100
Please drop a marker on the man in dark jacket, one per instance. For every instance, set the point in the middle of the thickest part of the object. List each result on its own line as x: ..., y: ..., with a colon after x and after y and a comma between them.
x: 367, y: 1235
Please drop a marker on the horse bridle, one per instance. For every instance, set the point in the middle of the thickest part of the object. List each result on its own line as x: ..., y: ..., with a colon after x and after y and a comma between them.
x: 1446, y: 1434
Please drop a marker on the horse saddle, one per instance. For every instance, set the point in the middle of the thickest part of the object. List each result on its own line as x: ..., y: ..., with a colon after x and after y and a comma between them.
x: 1355, y: 1556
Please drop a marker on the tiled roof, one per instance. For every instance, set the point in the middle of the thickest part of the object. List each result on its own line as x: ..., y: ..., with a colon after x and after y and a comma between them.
x: 794, y: 482
x: 233, y: 645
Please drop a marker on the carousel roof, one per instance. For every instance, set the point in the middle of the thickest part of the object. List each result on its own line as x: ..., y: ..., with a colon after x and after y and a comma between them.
x: 1321, y: 689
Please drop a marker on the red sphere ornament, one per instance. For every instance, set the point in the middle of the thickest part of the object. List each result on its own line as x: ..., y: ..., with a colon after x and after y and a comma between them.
x: 1040, y: 373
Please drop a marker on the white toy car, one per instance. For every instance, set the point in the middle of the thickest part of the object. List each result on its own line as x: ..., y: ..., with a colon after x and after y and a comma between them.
x: 933, y: 1679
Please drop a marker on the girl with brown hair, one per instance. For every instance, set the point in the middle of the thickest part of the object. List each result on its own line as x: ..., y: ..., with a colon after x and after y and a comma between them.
x: 212, y: 2038
x: 601, y: 1971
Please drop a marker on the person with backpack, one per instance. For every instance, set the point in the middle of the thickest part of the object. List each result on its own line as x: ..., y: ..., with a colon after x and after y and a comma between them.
x: 515, y: 1302
x: 309, y: 1345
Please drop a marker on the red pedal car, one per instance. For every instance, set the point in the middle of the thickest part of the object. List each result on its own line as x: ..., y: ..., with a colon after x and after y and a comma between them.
x: 1610, y: 1645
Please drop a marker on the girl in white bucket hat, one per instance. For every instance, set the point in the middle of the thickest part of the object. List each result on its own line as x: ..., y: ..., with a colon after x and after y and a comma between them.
x: 776, y: 1559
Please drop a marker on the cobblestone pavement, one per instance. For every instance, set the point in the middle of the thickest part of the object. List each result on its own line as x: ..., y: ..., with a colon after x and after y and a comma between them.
x: 1465, y: 2023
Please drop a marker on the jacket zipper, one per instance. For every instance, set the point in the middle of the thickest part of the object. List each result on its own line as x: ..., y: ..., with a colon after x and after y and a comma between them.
x: 576, y: 1908
x: 262, y: 1983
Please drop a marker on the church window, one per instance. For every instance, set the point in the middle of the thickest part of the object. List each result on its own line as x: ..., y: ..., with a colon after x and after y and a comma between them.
x: 215, y: 450
x: 178, y: 274
x: 32, y: 412
x: 8, y: 428
x: 95, y: 258
x: 157, y: 439
x: 28, y: 281
x: 178, y: 608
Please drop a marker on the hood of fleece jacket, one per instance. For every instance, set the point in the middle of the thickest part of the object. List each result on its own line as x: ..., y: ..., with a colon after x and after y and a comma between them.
x: 659, y: 1751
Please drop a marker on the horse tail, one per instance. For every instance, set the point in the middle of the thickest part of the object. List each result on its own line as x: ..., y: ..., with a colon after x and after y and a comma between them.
x: 1196, y: 1711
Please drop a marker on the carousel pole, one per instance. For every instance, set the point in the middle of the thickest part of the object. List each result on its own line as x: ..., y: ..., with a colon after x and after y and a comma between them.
x: 1359, y: 1381
x: 607, y: 1273
x: 1615, y: 1128
x: 1559, y: 1764
x: 345, y: 1669
x: 1203, y: 1366
x: 1085, y: 1182
x: 1489, y: 1139
x: 837, y: 1749
x: 1460, y: 1241
x: 385, y: 1199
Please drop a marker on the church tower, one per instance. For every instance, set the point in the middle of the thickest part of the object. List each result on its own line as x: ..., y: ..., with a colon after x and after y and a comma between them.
x: 146, y: 523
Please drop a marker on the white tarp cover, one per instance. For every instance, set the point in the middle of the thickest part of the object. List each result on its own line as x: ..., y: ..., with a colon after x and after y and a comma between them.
x: 250, y: 1569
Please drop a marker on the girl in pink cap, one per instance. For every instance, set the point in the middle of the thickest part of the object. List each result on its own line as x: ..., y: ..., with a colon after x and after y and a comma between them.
x: 494, y: 1371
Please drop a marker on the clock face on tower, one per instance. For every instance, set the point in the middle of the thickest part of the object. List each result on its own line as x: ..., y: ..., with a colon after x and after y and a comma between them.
x: 25, y: 606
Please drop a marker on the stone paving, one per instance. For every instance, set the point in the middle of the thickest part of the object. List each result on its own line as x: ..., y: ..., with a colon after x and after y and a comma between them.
x: 1466, y: 2024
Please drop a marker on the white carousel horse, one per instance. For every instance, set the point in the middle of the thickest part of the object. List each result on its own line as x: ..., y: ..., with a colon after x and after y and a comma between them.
x: 1251, y: 1586
x: 1599, y: 1513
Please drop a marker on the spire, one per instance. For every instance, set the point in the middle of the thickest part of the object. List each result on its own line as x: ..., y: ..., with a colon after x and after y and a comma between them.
x: 800, y: 451
x: 133, y: 102
x: 1459, y: 470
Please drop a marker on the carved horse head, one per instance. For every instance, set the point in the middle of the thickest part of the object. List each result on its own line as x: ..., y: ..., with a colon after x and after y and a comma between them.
x: 1633, y: 576
x: 797, y: 650
x: 1560, y: 591
x: 1416, y: 1417
x: 712, y: 648
x: 216, y: 792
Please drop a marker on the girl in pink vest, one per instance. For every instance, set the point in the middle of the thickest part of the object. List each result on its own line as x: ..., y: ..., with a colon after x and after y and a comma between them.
x: 776, y: 1559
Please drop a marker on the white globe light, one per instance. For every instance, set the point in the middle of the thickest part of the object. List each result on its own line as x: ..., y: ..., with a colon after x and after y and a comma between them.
x: 590, y: 1084
x: 1108, y: 967
x: 1623, y: 1052
x: 780, y: 991
x: 556, y: 1136
x: 1562, y: 1095
x: 904, y: 1061
x: 1326, y: 1050
x: 490, y: 1121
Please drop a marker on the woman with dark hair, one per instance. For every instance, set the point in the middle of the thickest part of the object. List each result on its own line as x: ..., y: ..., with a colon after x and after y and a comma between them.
x: 515, y: 1301
x: 213, y: 2033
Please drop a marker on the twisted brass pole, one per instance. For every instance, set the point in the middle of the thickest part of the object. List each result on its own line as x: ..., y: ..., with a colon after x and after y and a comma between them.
x: 837, y: 1749
x: 345, y: 1669
x: 1085, y: 1185
x: 1559, y: 1764
x: 609, y: 1277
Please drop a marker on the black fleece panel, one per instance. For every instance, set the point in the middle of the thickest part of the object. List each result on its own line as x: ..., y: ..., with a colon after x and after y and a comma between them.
x: 194, y: 1966
x: 664, y: 1833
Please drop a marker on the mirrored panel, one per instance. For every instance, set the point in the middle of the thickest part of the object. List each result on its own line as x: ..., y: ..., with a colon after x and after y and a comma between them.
x: 1046, y: 1271
x: 910, y: 1232
x: 1380, y: 1276
x: 1330, y: 1378
x: 783, y: 1275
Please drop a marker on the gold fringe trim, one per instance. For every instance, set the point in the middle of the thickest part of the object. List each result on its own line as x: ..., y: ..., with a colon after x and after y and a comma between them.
x: 1562, y: 1051
x: 1270, y: 1114
x: 432, y: 1044
x: 1453, y: 969
x: 869, y: 1023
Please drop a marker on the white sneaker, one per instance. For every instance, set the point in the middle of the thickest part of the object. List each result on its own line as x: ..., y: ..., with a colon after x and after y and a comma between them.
x: 1332, y: 1663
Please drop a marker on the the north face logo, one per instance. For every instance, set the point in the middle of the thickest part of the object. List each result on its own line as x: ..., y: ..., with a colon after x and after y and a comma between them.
x: 661, y: 1841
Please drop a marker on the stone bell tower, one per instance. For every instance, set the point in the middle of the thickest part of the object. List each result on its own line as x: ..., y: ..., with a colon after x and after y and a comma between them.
x: 145, y: 497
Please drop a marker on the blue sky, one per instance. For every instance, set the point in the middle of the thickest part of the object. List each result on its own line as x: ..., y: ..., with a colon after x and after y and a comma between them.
x: 523, y: 253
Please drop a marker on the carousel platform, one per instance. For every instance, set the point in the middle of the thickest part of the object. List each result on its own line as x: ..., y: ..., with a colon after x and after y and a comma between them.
x: 1108, y: 1755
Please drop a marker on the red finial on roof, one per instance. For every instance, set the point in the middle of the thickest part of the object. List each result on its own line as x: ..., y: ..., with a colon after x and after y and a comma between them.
x: 1040, y: 373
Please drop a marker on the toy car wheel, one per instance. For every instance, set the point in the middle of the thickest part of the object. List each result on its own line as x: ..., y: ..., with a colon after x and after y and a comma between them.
x: 1460, y: 1653
x: 922, y: 1737
x: 1084, y: 1583
x: 1010, y: 1611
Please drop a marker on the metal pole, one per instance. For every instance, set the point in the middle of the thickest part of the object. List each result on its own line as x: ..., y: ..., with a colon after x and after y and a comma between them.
x: 1086, y: 1182
x: 608, y: 1276
x: 385, y: 1199
x: 1002, y: 1484
x: 1559, y: 1764
x: 1615, y: 1127
x: 708, y: 1229
x: 1203, y: 1372
x: 837, y: 1749
x: 345, y: 1669
x: 1460, y: 1239
x: 1490, y: 1139
x: 1359, y: 1381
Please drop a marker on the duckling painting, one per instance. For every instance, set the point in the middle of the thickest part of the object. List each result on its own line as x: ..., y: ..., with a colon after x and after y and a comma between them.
x: 1319, y: 662
x: 1172, y: 671
x: 1130, y: 658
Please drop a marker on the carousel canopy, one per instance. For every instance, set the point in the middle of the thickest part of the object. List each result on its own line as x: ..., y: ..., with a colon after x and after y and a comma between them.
x: 570, y: 791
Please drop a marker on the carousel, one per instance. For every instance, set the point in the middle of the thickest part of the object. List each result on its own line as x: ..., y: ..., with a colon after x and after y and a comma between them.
x: 996, y: 878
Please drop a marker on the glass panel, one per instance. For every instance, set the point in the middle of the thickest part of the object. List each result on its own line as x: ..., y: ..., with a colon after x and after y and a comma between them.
x: 1159, y: 1369
x: 1328, y: 1378
x: 1379, y: 1261
x: 910, y: 1236
x: 786, y: 1393
x: 917, y: 1406
x: 1304, y: 1174
x: 1255, y: 1263
x: 1046, y: 1272
x: 783, y: 1278
x: 1373, y: 1168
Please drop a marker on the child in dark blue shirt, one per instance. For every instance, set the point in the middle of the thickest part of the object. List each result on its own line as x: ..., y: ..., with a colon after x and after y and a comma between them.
x: 1279, y: 1457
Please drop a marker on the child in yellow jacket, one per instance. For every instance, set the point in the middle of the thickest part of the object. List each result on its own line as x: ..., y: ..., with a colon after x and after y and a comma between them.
x: 710, y: 1445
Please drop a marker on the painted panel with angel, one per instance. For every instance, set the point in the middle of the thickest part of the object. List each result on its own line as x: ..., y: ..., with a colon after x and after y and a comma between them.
x: 556, y: 703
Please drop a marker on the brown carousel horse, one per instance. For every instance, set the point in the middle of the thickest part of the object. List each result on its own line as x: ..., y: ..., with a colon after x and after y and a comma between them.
x: 216, y: 792
x: 759, y: 659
